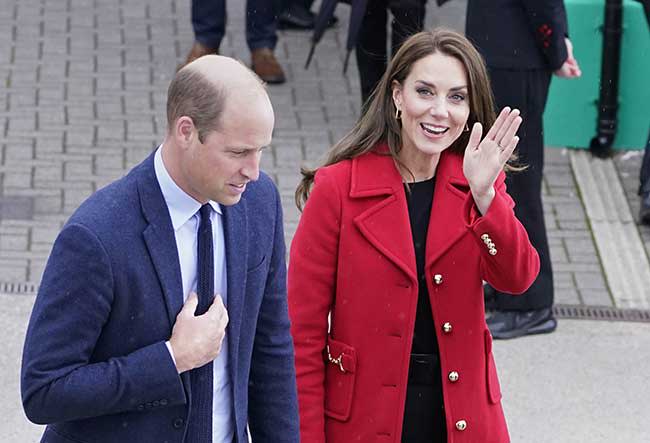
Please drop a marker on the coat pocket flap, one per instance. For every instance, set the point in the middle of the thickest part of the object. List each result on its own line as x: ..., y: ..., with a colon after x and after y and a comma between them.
x: 340, y: 367
x: 339, y: 354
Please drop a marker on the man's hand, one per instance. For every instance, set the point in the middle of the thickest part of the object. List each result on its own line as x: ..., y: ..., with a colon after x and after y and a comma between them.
x: 570, y: 68
x: 196, y: 340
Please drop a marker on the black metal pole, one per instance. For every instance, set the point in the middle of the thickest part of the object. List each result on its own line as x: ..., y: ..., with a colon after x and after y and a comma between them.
x: 601, y: 144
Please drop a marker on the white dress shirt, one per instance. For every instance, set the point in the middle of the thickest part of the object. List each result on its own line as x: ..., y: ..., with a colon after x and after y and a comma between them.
x: 183, y: 211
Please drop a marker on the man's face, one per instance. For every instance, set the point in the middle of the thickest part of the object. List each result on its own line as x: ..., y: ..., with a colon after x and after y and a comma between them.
x: 219, y: 168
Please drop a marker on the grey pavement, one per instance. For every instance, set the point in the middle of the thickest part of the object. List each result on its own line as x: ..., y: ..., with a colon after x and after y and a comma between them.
x: 82, y: 101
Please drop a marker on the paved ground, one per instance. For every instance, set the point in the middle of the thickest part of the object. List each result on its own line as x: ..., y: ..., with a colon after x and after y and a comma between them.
x: 83, y: 96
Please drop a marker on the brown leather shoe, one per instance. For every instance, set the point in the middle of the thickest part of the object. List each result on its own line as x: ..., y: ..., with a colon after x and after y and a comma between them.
x: 266, y: 66
x: 198, y: 50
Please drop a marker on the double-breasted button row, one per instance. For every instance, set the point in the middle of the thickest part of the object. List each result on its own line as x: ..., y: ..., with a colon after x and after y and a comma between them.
x: 489, y: 243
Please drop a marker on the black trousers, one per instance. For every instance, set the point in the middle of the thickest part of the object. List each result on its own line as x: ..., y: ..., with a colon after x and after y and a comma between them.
x: 371, y: 50
x: 527, y: 91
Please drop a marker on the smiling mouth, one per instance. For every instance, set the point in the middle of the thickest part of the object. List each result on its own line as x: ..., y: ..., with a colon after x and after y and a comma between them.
x: 435, y: 130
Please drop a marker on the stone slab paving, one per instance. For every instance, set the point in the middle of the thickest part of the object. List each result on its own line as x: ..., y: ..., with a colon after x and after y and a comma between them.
x: 84, y: 101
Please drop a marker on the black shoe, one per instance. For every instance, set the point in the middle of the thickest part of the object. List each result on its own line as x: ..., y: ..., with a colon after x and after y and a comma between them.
x: 511, y: 324
x: 296, y: 17
x: 644, y: 212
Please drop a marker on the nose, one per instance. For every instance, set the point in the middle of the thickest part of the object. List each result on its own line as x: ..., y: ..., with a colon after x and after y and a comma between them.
x: 438, y: 107
x: 251, y: 167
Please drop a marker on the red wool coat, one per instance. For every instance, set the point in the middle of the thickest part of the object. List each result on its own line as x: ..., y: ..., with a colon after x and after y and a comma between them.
x: 353, y: 256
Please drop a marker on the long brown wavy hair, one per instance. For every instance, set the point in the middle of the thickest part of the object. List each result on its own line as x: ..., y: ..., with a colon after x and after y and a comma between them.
x: 378, y: 123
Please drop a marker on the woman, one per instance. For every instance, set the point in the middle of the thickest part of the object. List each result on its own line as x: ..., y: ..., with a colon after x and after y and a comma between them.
x: 404, y: 220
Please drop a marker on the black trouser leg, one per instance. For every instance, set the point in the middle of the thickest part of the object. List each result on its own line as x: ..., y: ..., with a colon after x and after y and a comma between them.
x: 644, y: 176
x: 371, y: 47
x: 408, y: 19
x: 527, y: 91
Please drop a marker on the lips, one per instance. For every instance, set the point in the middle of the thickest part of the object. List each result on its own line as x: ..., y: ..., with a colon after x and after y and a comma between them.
x: 434, y: 129
x: 237, y: 188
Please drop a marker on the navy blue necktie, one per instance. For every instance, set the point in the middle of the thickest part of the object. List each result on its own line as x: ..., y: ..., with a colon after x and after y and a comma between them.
x: 199, y: 428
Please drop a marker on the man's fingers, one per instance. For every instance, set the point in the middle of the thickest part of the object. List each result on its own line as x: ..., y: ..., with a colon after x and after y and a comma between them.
x: 218, y: 308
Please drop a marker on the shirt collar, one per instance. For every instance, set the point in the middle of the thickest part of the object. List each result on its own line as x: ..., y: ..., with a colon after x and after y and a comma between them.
x: 181, y: 206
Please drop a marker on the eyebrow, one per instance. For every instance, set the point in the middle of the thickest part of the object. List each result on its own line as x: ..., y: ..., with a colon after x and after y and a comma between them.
x: 431, y: 85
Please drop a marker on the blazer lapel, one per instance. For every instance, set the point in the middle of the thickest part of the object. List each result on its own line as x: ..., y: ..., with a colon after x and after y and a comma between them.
x: 159, y: 238
x: 236, y: 238
x: 385, y: 223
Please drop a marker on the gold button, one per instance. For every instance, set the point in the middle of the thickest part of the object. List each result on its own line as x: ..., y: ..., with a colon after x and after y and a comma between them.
x: 437, y: 279
x: 453, y: 376
x: 485, y: 237
x: 490, y: 244
x: 461, y: 425
x: 446, y: 328
x: 493, y: 251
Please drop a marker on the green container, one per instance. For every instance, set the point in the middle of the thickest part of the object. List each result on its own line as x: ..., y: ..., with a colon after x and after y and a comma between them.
x: 571, y: 114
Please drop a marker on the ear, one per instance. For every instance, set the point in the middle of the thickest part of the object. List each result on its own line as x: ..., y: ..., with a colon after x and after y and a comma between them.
x: 397, y: 94
x: 184, y: 131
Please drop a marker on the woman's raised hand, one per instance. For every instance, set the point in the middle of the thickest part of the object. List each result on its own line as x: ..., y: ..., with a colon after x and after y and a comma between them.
x: 485, y: 159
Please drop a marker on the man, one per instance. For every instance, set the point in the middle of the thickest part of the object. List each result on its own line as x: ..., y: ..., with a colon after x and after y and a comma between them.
x: 117, y: 349
x: 524, y: 42
x: 209, y: 24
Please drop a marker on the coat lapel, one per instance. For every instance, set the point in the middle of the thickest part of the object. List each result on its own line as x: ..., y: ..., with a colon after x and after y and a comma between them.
x: 385, y: 223
x: 236, y: 238
x: 446, y: 224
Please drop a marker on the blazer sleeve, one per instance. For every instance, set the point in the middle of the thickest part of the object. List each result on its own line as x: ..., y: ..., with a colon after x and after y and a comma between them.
x: 312, y: 285
x: 59, y: 379
x: 273, y: 403
x: 508, y: 261
x: 549, y: 25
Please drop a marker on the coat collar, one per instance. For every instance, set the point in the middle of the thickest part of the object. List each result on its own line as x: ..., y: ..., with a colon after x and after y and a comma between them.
x: 385, y: 222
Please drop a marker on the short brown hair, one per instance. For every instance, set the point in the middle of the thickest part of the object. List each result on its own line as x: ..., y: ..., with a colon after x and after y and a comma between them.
x: 191, y: 94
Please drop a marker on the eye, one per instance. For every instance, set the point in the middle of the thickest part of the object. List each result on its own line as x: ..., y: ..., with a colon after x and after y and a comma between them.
x: 239, y: 152
x: 424, y: 91
x: 458, y: 97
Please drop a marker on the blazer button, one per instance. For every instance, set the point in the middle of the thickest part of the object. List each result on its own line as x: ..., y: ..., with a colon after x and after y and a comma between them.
x: 140, y: 407
x: 155, y: 403
x: 437, y: 279
x: 446, y: 328
x: 453, y: 376
x: 163, y: 402
x: 178, y: 423
x: 461, y: 425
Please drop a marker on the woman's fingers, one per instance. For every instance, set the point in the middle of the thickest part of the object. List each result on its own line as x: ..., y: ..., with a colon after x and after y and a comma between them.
x: 508, y: 150
x: 510, y: 131
x: 475, y: 136
x: 503, y: 116
x: 501, y: 136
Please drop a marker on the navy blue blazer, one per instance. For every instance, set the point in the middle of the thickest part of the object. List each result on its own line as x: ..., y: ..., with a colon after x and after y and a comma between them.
x: 95, y: 366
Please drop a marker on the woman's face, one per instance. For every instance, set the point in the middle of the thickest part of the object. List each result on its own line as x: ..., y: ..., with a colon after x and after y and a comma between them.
x: 434, y: 101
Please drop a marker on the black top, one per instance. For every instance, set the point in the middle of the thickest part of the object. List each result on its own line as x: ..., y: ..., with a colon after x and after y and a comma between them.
x: 419, y: 202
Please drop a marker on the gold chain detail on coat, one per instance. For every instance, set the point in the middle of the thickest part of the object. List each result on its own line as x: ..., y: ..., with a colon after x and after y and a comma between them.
x: 335, y: 361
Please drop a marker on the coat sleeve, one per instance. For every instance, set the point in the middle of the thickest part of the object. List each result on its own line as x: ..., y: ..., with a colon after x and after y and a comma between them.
x: 59, y: 379
x: 312, y: 285
x: 508, y: 261
x: 273, y: 403
x: 548, y: 21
